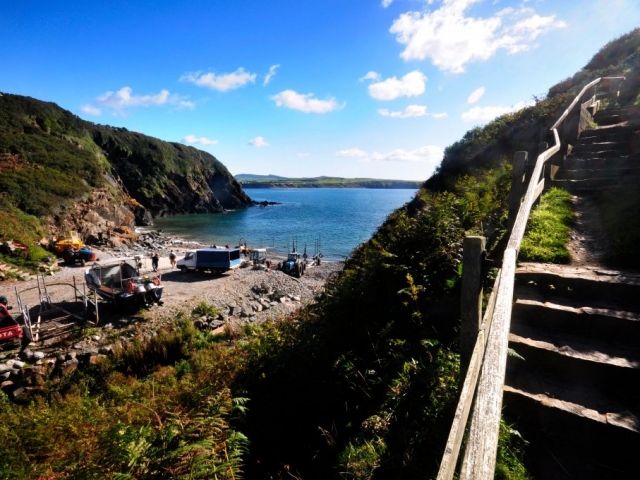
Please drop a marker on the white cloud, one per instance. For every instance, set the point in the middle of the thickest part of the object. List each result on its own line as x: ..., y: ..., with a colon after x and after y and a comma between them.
x: 429, y: 154
x: 193, y: 140
x: 122, y: 100
x: 270, y: 75
x: 370, y: 76
x: 90, y: 110
x: 440, y: 115
x: 411, y: 85
x: 386, y: 3
x: 481, y: 115
x: 186, y: 104
x: 452, y: 40
x: 351, y: 152
x: 410, y: 111
x: 304, y: 102
x: 476, y: 95
x: 222, y: 82
x: 258, y: 142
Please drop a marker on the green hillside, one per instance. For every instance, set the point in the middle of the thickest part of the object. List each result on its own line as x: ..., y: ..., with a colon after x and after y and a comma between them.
x: 61, y: 171
x: 273, y: 181
x: 360, y: 385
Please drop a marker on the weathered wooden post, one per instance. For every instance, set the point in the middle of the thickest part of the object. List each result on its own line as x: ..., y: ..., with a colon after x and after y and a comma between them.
x: 517, y: 184
x: 471, y: 315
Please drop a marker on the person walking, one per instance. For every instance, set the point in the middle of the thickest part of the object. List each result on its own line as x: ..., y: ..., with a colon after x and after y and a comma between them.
x: 172, y: 258
x: 154, y: 261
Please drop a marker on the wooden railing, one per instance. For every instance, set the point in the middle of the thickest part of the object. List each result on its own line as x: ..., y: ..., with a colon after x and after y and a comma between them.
x: 485, y: 338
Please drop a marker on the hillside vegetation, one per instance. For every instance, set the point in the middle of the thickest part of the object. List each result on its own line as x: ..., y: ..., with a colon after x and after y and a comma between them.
x: 272, y: 181
x: 360, y: 385
x: 61, y: 171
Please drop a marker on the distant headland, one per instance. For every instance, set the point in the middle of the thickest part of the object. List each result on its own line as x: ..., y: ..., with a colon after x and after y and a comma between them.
x: 248, y: 180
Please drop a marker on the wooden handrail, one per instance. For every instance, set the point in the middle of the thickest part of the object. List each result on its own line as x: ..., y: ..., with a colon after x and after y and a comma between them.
x: 488, y: 362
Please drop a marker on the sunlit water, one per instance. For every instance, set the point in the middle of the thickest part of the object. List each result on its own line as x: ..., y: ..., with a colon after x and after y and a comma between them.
x: 331, y: 220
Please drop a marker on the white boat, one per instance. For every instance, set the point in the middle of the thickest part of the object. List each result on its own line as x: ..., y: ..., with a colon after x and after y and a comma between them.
x: 118, y: 281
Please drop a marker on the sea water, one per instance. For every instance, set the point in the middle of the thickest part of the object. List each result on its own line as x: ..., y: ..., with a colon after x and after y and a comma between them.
x: 331, y: 221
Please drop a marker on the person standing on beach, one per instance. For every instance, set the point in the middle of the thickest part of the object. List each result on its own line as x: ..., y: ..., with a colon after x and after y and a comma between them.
x: 172, y: 258
x: 154, y: 261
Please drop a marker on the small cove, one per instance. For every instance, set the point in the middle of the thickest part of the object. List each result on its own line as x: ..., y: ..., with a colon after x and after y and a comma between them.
x: 335, y: 220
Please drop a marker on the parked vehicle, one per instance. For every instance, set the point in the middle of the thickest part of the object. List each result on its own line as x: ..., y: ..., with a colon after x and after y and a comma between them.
x: 118, y: 281
x: 294, y: 265
x: 81, y: 255
x: 9, y: 328
x: 216, y: 260
x: 258, y: 256
x: 68, y: 239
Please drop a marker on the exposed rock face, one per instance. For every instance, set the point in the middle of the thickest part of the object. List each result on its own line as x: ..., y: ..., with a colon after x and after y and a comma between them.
x: 168, y: 178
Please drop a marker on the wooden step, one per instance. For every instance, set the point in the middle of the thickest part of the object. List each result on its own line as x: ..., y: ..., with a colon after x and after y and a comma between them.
x: 600, y: 173
x: 600, y: 146
x: 594, y: 184
x: 597, y: 287
x: 569, y: 440
x: 616, y: 134
x: 569, y: 316
x: 583, y: 400
x: 597, y: 162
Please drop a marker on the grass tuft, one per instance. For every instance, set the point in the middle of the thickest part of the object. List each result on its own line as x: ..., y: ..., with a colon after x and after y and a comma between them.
x: 548, y: 229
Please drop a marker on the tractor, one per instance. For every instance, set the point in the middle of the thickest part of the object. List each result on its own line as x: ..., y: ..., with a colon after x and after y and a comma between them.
x: 81, y: 255
x: 294, y: 265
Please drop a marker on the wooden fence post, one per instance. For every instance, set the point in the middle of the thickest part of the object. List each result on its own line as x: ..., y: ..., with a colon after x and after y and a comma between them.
x: 517, y: 185
x: 471, y: 302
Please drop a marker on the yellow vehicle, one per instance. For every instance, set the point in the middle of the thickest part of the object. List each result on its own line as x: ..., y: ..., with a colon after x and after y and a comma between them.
x: 69, y: 239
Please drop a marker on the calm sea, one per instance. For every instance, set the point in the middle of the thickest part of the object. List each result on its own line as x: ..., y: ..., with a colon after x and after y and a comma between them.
x: 333, y: 221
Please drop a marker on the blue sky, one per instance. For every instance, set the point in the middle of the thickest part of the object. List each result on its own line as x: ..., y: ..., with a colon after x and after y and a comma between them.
x: 301, y: 88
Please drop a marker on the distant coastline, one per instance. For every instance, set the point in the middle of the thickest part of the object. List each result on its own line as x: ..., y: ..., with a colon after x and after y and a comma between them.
x: 249, y: 181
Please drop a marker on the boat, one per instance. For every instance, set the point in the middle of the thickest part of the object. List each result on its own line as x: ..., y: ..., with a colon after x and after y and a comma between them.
x: 118, y: 280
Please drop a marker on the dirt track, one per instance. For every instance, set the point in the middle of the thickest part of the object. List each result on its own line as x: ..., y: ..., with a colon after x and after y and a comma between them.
x: 183, y: 291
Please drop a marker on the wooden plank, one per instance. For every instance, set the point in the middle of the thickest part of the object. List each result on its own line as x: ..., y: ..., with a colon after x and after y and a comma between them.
x: 517, y: 182
x: 461, y: 416
x: 539, y: 189
x: 471, y: 303
x: 456, y: 434
x: 482, y: 444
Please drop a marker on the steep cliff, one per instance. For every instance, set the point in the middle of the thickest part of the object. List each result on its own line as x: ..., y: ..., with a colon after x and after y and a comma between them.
x: 75, y: 174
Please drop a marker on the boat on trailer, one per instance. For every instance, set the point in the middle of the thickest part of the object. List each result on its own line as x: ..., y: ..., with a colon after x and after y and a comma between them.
x: 118, y: 280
